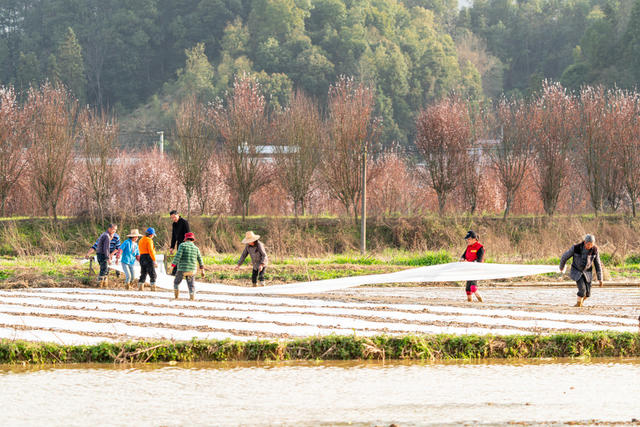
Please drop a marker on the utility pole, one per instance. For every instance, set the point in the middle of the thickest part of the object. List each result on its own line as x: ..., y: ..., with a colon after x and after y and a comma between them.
x: 363, y: 214
x: 161, y: 133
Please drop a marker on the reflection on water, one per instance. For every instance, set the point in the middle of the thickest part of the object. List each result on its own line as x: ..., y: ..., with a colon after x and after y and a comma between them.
x: 323, y: 393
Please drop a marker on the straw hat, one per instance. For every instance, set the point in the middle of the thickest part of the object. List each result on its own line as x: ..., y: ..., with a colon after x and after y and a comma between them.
x: 250, y: 237
x: 134, y: 233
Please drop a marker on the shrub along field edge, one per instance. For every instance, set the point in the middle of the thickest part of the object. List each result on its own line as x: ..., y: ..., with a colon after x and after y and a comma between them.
x: 410, y: 347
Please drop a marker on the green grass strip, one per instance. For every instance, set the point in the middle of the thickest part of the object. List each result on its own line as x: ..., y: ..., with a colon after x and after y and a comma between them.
x: 423, y: 347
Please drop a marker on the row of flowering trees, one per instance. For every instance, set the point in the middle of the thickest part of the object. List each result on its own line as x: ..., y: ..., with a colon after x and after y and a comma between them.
x: 553, y: 152
x: 550, y: 143
x: 53, y: 151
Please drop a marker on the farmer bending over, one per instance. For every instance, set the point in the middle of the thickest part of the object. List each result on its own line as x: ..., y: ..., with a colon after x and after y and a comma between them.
x: 473, y: 253
x: 104, y: 251
x: 255, y: 249
x: 585, y: 256
x: 185, y: 264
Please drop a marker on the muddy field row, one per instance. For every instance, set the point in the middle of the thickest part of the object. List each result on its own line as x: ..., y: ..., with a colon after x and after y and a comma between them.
x: 73, y: 316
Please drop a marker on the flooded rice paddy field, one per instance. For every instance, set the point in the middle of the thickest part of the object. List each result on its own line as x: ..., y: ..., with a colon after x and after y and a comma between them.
x: 74, y: 316
x: 558, y: 392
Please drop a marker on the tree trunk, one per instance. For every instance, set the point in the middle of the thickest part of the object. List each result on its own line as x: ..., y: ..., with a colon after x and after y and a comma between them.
x: 508, y: 203
x: 355, y: 214
x: 188, y: 204
x: 472, y: 208
x: 442, y: 201
x: 54, y: 211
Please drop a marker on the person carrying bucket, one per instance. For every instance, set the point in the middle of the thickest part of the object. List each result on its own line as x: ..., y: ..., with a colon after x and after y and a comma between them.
x: 147, y: 259
x: 585, y: 256
x: 185, y: 265
x: 255, y: 249
x: 473, y: 253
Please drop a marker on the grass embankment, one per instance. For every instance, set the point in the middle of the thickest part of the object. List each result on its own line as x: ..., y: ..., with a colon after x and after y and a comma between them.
x: 59, y: 271
x: 66, y: 271
x: 35, y: 252
x: 426, y: 347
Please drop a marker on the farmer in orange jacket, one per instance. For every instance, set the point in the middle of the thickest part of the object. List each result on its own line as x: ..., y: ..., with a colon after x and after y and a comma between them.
x: 147, y: 259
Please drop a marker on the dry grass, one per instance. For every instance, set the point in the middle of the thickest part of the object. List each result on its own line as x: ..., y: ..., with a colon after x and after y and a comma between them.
x: 515, y: 240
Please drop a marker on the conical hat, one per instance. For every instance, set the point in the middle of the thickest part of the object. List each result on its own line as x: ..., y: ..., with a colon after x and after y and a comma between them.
x: 250, y: 237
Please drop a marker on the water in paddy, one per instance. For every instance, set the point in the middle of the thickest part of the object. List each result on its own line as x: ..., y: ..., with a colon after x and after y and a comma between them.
x: 326, y: 393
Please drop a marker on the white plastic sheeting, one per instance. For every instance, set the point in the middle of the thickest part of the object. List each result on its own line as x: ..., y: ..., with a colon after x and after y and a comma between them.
x: 451, y: 272
x: 343, y: 321
x: 89, y: 315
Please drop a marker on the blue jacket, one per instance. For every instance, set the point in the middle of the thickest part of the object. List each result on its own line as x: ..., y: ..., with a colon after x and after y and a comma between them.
x: 129, y: 252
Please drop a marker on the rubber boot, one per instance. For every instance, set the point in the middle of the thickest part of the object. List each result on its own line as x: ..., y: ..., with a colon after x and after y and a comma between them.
x: 106, y: 282
x: 478, y: 297
x: 192, y: 296
x: 126, y: 285
x: 101, y: 282
x: 579, y: 302
x: 262, y: 283
x: 469, y: 298
x: 255, y: 285
x: 153, y: 287
x: 140, y: 285
x: 176, y: 293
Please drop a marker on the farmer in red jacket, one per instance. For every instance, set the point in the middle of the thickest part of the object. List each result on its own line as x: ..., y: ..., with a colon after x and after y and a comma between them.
x: 473, y: 253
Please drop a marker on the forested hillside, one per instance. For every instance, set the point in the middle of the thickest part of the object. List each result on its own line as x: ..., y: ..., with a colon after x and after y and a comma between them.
x: 138, y: 58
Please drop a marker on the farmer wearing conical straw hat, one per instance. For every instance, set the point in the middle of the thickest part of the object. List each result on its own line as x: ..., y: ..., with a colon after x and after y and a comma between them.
x: 130, y: 254
x: 585, y: 256
x: 255, y: 249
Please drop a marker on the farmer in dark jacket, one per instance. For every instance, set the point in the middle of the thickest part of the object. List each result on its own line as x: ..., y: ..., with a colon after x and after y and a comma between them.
x: 473, y: 253
x: 585, y: 256
x: 255, y: 249
x: 179, y: 228
x: 103, y: 249
x: 114, y: 250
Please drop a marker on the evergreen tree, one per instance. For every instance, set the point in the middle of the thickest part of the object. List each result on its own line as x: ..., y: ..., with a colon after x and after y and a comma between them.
x: 631, y: 46
x: 28, y: 71
x: 70, y: 65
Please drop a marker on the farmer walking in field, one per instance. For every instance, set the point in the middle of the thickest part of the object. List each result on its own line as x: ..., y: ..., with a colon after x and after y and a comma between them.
x: 147, y: 259
x: 473, y: 253
x: 102, y: 248
x: 179, y: 229
x: 585, y: 256
x: 185, y: 264
x: 130, y: 254
x: 255, y: 249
